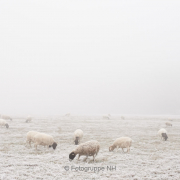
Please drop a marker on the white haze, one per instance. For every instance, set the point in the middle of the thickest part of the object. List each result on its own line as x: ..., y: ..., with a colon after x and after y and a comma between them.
x: 89, y: 57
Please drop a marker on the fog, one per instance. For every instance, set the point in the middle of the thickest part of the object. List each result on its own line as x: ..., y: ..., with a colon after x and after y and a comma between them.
x: 89, y: 57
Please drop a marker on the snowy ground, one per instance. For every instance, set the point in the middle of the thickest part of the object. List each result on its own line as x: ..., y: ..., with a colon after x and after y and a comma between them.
x: 149, y: 158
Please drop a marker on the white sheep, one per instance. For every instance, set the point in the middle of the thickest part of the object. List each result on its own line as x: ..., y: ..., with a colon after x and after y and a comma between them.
x: 168, y: 124
x: 89, y: 148
x: 4, y: 123
x: 29, y: 136
x: 122, y: 142
x: 6, y: 117
x: 68, y: 115
x: 106, y: 117
x: 78, y: 135
x: 163, y: 134
x: 44, y: 140
x: 29, y: 119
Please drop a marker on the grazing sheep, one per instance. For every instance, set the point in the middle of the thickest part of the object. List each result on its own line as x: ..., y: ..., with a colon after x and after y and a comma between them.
x: 163, y: 134
x: 5, y: 117
x: 89, y: 148
x: 68, y: 115
x: 122, y: 142
x: 29, y: 119
x: 44, y: 140
x: 4, y: 123
x: 106, y: 117
x: 78, y: 135
x: 168, y: 124
x: 29, y: 136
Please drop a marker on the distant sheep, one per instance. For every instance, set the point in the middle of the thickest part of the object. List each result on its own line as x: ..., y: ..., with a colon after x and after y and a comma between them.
x: 68, y: 115
x: 29, y: 136
x: 4, y: 123
x: 78, y: 135
x: 122, y: 142
x: 163, y: 134
x: 106, y: 117
x: 5, y: 117
x: 168, y: 124
x: 29, y: 119
x: 44, y: 140
x: 89, y: 148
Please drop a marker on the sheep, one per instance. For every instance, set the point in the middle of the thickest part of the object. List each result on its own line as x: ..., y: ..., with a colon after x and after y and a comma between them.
x: 78, y: 135
x: 122, y: 142
x: 29, y: 119
x: 168, y: 124
x: 4, y: 123
x: 163, y: 134
x: 29, y: 136
x: 6, y: 117
x: 68, y: 115
x: 89, y: 148
x: 106, y: 117
x: 44, y: 140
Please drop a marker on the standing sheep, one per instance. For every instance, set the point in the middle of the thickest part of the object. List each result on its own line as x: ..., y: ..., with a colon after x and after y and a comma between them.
x: 78, y: 135
x: 6, y: 117
x: 106, y: 117
x: 122, y: 142
x: 168, y: 124
x: 29, y: 119
x: 89, y: 148
x: 44, y: 140
x: 29, y: 136
x: 4, y: 123
x: 163, y: 134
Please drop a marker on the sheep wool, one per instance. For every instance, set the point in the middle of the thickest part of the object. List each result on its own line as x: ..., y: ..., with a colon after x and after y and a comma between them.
x: 89, y: 148
x: 4, y: 123
x: 163, y: 134
x: 30, y: 135
x: 29, y: 119
x: 122, y: 142
x: 78, y: 135
x: 6, y: 117
x: 168, y: 124
x: 44, y: 140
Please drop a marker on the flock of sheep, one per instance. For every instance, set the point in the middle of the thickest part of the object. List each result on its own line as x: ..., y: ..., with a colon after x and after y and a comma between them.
x: 89, y: 148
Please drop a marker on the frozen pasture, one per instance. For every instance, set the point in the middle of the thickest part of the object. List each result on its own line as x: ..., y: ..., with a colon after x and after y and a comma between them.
x: 149, y: 157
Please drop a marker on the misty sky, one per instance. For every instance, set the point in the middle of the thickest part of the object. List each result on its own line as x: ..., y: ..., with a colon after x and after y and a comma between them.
x: 89, y: 57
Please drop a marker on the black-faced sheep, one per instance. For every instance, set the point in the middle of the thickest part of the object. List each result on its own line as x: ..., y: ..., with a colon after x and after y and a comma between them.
x: 29, y: 119
x: 44, y: 140
x: 89, y: 148
x: 4, y: 123
x: 78, y: 135
x: 5, y: 117
x: 163, y: 134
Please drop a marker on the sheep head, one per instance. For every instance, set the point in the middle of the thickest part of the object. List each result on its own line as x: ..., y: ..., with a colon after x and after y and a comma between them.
x: 164, y: 135
x: 7, y: 126
x: 111, y: 148
x: 76, y: 141
x: 72, y: 155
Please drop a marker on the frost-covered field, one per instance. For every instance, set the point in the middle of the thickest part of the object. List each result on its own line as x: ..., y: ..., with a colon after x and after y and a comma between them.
x: 149, y: 157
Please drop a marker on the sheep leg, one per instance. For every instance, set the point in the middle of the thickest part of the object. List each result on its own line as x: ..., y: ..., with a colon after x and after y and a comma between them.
x: 30, y: 143
x: 117, y: 149
x: 86, y: 158
x: 123, y: 150
x: 35, y: 146
x: 79, y: 157
x: 93, y: 157
x: 128, y: 149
